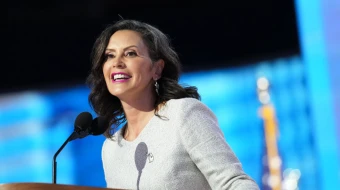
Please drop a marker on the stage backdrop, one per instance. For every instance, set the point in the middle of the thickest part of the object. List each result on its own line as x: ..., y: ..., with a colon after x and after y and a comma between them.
x: 34, y: 124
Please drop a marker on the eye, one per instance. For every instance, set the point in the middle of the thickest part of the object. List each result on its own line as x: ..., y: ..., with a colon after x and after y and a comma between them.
x: 109, y: 56
x: 131, y: 54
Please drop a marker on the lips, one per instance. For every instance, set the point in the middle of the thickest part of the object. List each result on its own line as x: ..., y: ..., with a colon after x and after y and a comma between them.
x: 120, y: 77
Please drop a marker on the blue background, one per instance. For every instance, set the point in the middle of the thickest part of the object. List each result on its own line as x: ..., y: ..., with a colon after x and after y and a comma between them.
x: 304, y: 91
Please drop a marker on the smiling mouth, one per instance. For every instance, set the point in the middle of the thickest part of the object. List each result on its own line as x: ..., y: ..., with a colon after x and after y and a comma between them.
x: 120, y: 77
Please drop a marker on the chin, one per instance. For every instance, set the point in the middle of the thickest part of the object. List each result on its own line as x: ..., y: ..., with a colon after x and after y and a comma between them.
x: 116, y: 94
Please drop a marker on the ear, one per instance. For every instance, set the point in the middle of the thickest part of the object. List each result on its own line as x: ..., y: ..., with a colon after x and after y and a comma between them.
x: 158, y: 68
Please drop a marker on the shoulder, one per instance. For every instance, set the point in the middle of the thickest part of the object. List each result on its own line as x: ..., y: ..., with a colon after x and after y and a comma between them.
x: 188, y: 106
x: 196, y: 122
x: 188, y: 110
x: 185, y: 103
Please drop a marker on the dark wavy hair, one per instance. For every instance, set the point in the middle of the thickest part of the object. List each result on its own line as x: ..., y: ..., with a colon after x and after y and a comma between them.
x: 159, y: 47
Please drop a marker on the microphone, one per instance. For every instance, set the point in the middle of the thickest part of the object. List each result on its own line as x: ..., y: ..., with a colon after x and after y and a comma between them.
x: 98, y: 126
x: 84, y: 125
x: 81, y: 125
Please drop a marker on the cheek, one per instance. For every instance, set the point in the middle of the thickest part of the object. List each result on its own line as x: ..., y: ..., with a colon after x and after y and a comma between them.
x: 147, y: 73
x: 105, y: 69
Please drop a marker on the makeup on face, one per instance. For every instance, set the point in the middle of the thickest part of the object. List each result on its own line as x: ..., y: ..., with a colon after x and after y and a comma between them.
x: 119, y: 77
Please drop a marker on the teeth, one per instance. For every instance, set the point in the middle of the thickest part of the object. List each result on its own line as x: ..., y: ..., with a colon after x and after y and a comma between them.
x: 119, y: 76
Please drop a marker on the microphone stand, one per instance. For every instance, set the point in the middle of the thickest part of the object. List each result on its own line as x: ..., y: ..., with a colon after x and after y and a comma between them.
x: 54, y: 163
x: 81, y: 129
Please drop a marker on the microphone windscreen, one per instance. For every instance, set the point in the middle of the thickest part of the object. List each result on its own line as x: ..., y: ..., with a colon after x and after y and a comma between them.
x: 99, y: 126
x: 83, y: 121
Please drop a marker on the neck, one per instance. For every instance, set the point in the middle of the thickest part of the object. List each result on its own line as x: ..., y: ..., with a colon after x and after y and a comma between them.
x: 138, y: 113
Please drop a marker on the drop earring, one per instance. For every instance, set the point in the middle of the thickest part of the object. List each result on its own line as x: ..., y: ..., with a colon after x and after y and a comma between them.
x: 157, y: 87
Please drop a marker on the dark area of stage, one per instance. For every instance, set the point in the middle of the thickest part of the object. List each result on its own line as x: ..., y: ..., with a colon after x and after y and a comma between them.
x: 49, y: 43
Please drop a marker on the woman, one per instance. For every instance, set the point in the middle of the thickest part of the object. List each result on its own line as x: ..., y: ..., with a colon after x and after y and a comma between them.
x: 169, y: 139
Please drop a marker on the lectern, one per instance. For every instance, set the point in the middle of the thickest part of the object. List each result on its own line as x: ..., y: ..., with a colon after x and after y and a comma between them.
x: 46, y: 186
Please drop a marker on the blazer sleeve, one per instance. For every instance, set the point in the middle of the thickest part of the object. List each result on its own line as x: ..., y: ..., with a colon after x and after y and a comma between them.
x: 204, y: 141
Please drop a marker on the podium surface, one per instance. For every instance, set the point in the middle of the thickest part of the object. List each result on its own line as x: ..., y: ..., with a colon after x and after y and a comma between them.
x: 47, y: 186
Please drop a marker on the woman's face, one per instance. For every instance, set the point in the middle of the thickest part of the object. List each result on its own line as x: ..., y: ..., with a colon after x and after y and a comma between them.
x: 128, y: 69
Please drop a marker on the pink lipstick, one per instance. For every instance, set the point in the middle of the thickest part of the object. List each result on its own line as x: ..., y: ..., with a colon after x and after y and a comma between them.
x: 120, y: 77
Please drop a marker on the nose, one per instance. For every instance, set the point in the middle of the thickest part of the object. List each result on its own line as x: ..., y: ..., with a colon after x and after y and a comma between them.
x: 118, y: 63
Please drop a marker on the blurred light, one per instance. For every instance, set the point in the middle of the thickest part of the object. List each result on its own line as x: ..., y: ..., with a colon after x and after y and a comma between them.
x: 273, y: 180
x: 263, y: 83
x: 264, y: 97
x: 290, y: 179
x: 263, y: 90
x: 275, y: 162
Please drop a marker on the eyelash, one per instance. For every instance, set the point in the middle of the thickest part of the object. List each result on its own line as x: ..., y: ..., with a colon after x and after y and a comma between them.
x: 110, y: 55
x: 129, y: 52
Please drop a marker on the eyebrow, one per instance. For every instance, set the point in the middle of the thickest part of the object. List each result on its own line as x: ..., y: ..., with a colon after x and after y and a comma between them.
x: 123, y: 49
